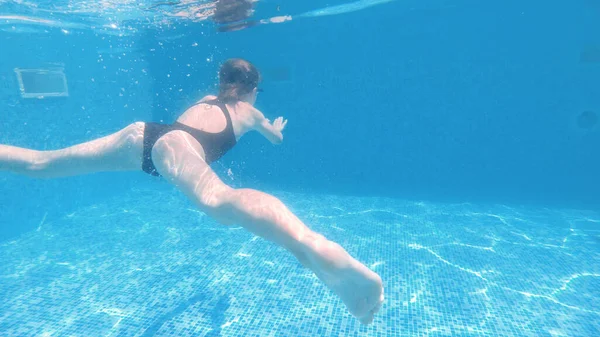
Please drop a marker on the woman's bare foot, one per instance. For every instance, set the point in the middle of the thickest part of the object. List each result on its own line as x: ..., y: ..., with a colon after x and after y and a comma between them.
x: 357, y: 286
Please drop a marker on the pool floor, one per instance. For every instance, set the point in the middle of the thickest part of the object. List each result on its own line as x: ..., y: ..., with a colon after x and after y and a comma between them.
x: 149, y: 264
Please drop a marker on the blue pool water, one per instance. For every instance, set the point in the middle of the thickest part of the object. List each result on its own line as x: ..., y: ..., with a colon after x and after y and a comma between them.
x: 131, y: 266
x: 451, y: 146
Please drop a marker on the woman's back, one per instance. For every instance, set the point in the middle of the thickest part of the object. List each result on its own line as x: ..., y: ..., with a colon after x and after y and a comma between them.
x: 212, y: 119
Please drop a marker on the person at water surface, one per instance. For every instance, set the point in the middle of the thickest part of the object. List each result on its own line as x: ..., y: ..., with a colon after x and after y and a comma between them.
x: 182, y: 153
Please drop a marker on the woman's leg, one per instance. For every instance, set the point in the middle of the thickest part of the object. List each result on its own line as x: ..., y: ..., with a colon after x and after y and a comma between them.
x: 178, y: 157
x: 121, y: 151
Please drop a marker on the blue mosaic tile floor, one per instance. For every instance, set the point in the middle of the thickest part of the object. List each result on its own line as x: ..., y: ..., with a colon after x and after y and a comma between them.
x: 149, y: 264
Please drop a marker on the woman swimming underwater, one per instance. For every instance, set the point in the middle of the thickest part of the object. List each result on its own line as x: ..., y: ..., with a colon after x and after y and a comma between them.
x: 182, y: 152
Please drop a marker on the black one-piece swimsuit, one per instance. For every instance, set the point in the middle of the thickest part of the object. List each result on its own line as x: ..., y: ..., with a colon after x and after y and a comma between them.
x: 215, y: 145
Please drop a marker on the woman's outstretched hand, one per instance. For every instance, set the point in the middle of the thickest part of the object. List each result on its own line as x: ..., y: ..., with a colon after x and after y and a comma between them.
x: 279, y: 123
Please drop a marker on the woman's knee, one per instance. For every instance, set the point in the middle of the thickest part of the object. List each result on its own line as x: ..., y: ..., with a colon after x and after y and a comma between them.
x: 219, y: 204
x: 217, y: 199
x: 38, y: 164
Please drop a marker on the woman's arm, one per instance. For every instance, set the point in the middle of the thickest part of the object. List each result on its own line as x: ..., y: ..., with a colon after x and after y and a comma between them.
x: 273, y: 132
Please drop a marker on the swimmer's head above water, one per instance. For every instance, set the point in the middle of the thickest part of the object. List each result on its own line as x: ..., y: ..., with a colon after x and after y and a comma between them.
x: 238, y: 81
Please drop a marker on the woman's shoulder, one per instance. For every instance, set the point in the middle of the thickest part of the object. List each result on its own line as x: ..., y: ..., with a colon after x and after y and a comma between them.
x: 207, y: 98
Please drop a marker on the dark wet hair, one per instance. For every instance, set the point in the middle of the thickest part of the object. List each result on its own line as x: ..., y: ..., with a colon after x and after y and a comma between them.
x: 237, y: 78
